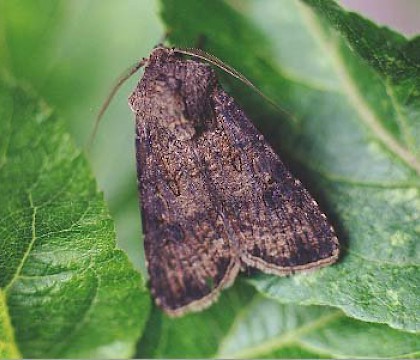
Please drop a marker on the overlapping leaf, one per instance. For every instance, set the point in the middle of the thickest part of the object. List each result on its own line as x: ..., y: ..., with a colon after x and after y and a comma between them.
x: 71, y: 52
x: 244, y: 324
x: 267, y: 329
x: 65, y: 290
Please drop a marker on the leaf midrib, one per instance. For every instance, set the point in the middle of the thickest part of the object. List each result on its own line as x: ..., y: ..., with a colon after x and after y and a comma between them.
x: 353, y: 94
x: 275, y: 343
x: 8, y: 323
x: 30, y: 245
x: 342, y: 355
x: 9, y: 330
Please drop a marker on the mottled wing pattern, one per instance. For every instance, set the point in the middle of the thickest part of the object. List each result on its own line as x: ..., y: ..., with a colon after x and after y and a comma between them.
x: 214, y: 195
x: 188, y: 253
x: 278, y: 225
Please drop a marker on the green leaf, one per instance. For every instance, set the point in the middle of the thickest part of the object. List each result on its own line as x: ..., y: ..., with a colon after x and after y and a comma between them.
x: 351, y: 138
x: 244, y: 324
x: 71, y: 53
x: 65, y: 289
x: 196, y: 334
x: 396, y: 61
x: 272, y: 330
x: 8, y: 348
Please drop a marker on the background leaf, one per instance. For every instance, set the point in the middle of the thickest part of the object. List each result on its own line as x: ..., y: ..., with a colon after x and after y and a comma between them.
x: 351, y: 139
x: 195, y: 335
x: 268, y: 329
x: 244, y: 324
x: 66, y: 291
x: 71, y: 52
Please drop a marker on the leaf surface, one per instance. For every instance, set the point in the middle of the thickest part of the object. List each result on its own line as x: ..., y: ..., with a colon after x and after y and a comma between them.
x: 65, y: 289
x: 71, y: 53
x: 245, y: 324
x: 267, y: 329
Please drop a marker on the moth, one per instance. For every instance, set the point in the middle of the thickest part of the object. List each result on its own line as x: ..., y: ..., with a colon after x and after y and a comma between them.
x: 215, y: 197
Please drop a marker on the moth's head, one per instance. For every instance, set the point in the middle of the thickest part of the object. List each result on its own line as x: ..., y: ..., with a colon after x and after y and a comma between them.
x: 177, y: 90
x: 161, y: 54
x: 190, y: 77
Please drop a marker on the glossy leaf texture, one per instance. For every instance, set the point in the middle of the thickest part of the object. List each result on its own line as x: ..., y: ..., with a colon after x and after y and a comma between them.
x: 350, y: 136
x: 65, y: 289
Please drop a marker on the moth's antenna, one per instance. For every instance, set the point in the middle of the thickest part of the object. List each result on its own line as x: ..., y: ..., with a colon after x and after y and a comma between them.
x: 121, y: 80
x: 230, y: 70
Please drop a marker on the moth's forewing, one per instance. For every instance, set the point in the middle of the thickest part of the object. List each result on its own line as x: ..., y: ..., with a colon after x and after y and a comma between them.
x: 213, y: 192
x: 188, y: 252
x: 278, y: 225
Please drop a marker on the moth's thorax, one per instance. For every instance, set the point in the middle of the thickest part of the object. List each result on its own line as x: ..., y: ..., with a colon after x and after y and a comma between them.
x: 176, y: 88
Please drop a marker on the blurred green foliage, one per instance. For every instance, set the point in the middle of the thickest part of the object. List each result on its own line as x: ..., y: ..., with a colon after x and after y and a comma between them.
x: 71, y: 53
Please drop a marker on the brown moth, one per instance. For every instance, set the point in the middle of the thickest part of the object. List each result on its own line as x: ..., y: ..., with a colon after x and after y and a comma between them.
x: 215, y: 197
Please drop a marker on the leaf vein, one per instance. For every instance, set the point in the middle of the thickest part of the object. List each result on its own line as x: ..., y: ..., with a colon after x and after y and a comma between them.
x: 266, y: 347
x: 355, y: 98
x: 30, y: 245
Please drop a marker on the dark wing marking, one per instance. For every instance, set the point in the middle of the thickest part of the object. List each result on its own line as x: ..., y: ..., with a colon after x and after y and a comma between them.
x: 279, y: 227
x: 189, y: 256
